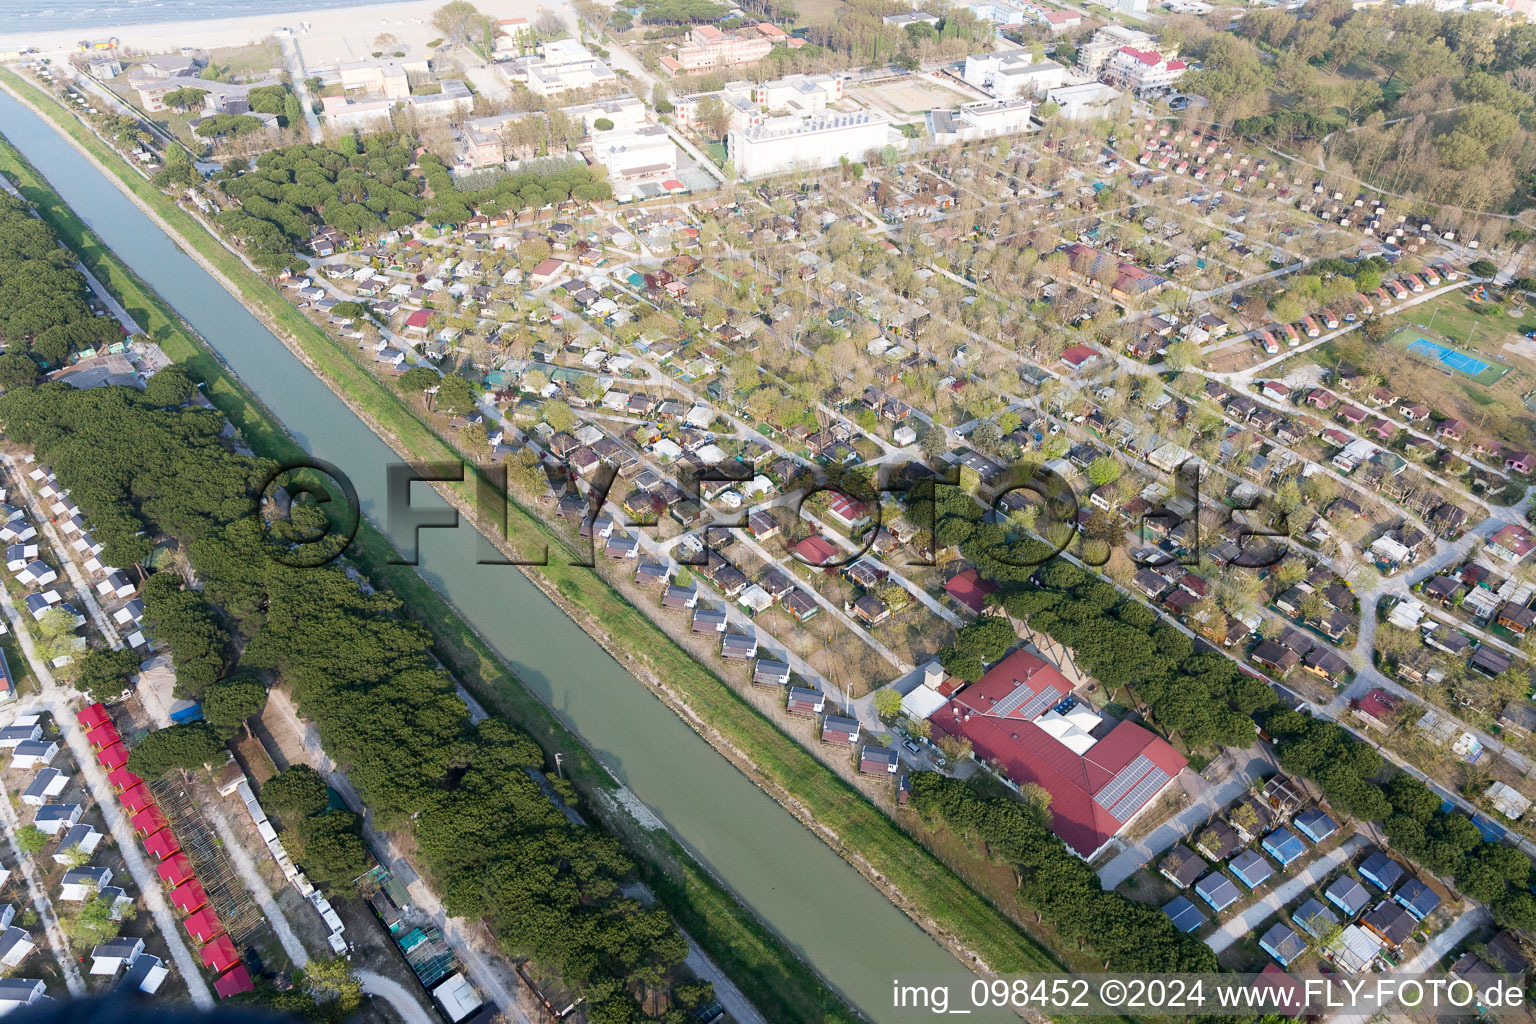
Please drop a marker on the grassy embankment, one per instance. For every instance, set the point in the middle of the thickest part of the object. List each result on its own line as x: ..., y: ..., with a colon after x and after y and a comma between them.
x: 771, y: 976
x: 927, y: 888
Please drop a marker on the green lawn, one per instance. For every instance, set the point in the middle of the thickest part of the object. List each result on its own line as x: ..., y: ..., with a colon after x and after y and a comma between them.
x: 864, y: 834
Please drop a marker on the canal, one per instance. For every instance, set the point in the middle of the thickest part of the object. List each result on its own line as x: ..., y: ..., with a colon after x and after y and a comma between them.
x: 839, y: 922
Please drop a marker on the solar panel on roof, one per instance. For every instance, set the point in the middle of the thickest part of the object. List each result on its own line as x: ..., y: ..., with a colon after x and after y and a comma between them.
x: 1040, y: 701
x: 1124, y: 779
x: 1138, y: 796
x: 1009, y: 704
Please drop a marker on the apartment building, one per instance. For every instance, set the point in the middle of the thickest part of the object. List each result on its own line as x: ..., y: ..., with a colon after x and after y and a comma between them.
x: 389, y: 77
x: 1131, y: 68
x: 1096, y: 52
x: 709, y: 49
x: 564, y: 65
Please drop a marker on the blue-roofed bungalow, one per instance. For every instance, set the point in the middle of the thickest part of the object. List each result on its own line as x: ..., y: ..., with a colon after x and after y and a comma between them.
x: 1283, y: 845
x: 1186, y: 917
x: 1251, y: 869
x: 1218, y: 890
x: 1315, y: 823
x: 1282, y: 943
x: 1381, y: 871
x: 1348, y: 895
x: 1314, y: 918
x: 1418, y: 898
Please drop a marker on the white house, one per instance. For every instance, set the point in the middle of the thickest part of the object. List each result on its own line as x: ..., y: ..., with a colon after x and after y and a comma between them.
x: 111, y: 957
x: 82, y: 838
x: 81, y: 884
x: 16, y: 531
x: 55, y: 818
x: 15, y: 946
x: 34, y: 753
x: 49, y: 783
x: 18, y: 555
x: 25, y: 728
x: 36, y: 574
x: 147, y: 974
x: 18, y: 992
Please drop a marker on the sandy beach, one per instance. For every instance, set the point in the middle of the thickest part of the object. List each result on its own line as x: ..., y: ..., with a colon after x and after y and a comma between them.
x: 326, y: 36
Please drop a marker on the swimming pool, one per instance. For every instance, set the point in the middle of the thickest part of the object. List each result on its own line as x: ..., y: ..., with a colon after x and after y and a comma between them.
x: 1458, y: 361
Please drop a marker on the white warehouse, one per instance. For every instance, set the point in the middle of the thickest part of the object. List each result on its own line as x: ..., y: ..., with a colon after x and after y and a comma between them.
x: 640, y: 152
x: 1011, y: 74
x: 814, y: 142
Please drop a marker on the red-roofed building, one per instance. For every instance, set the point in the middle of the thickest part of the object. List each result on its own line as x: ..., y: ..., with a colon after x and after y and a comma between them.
x: 849, y: 513
x: 1080, y: 357
x: 92, y: 715
x: 969, y: 589
x: 114, y: 756
x: 149, y: 821
x: 175, y: 869
x: 136, y: 798
x: 418, y: 320
x: 1280, y: 990
x: 1377, y: 708
x: 545, y: 272
x: 189, y: 896
x: 234, y: 982
x: 1060, y: 21
x: 1512, y: 543
x: 1131, y: 68
x: 103, y: 736
x: 1015, y: 716
x: 122, y: 780
x: 162, y: 844
x: 815, y: 551
x: 203, y: 925
x: 219, y: 955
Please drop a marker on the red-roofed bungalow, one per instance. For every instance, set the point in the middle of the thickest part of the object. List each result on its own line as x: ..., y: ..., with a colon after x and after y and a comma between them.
x: 816, y: 550
x: 149, y: 821
x: 162, y: 844
x: 114, y: 756
x: 234, y: 983
x: 122, y: 780
x: 203, y: 926
x: 175, y: 869
x: 219, y: 955
x: 103, y: 736
x: 1096, y: 786
x: 92, y: 715
x: 136, y: 798
x: 189, y: 896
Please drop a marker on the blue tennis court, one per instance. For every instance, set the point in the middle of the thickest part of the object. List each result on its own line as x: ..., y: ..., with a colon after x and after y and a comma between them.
x: 1458, y: 361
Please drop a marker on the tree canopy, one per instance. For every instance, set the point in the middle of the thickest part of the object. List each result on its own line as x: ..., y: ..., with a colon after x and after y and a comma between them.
x: 189, y: 746
x: 44, y: 306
